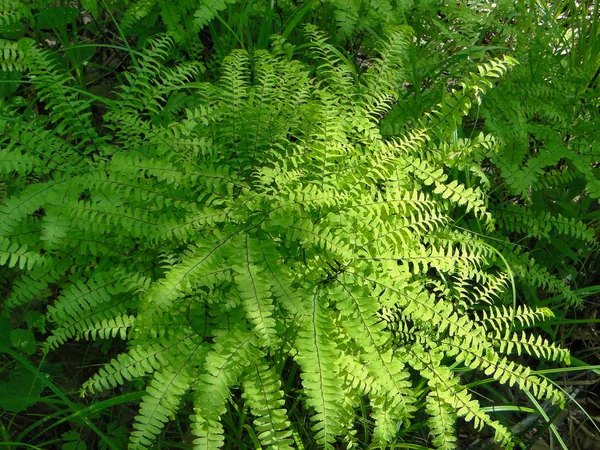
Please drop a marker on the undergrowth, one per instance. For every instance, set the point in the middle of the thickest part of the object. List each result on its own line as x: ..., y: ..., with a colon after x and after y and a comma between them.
x: 305, y: 231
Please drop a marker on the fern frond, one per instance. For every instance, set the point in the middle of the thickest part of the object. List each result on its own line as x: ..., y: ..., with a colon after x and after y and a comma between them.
x: 317, y: 358
x: 539, y: 346
x: 255, y: 292
x: 161, y: 401
x: 263, y: 395
x: 477, y: 356
x: 360, y: 318
x: 457, y: 103
x: 503, y: 318
x: 81, y: 296
x: 446, y: 387
x: 385, y: 73
x: 223, y: 366
x: 442, y: 418
x: 111, y: 328
x: 541, y: 225
x: 141, y: 360
x: 200, y: 266
x: 208, y: 9
x: 35, y: 284
x: 538, y: 276
x: 30, y: 199
x: 334, y: 68
x: 13, y: 55
x: 14, y: 255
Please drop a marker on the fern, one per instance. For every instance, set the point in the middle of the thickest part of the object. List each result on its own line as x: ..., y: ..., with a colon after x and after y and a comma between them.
x: 263, y: 222
x: 266, y: 402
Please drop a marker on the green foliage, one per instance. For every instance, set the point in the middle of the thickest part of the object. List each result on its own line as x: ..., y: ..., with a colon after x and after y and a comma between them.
x: 535, y: 133
x: 306, y: 231
x: 184, y: 17
x: 226, y: 229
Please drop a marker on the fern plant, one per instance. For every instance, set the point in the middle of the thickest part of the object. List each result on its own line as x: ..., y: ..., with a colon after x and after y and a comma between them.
x: 532, y: 139
x: 228, y: 230
x: 184, y: 16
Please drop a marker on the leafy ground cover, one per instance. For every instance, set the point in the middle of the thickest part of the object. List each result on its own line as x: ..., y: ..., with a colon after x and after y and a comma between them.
x: 358, y: 224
